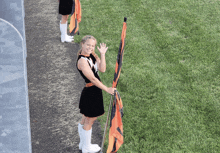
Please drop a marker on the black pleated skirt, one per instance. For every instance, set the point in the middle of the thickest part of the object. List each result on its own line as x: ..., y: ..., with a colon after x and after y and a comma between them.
x: 65, y: 7
x: 91, y: 102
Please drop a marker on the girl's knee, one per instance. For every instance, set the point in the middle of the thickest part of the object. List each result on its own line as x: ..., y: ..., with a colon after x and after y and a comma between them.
x: 94, y: 119
x: 65, y: 17
x: 90, y: 120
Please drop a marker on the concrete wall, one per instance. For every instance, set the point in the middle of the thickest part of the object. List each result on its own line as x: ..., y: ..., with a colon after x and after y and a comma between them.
x: 15, y: 136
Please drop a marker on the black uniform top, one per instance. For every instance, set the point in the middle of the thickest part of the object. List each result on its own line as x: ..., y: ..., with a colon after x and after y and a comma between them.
x: 93, y: 65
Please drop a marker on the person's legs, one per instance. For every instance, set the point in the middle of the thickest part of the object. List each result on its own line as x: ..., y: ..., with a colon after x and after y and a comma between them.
x: 63, y: 30
x: 80, y: 128
x: 64, y: 19
x: 83, y: 120
x: 89, y: 122
x: 87, y: 134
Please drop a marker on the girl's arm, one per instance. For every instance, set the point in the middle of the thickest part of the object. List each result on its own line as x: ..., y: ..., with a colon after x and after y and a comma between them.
x: 86, y: 70
x: 101, y: 63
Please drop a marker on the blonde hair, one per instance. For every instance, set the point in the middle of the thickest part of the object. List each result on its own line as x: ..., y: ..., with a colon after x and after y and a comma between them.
x: 84, y: 39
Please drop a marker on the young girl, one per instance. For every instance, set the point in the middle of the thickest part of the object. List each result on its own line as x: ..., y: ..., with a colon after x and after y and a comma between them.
x: 91, y: 100
x: 65, y: 8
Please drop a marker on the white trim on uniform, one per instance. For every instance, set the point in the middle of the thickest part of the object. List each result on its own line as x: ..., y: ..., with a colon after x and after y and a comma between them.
x: 91, y: 63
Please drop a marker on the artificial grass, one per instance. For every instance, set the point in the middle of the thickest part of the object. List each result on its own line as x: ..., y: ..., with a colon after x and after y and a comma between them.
x: 170, y: 79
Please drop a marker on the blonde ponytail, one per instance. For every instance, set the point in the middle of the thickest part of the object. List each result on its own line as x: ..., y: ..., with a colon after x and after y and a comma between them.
x: 79, y: 52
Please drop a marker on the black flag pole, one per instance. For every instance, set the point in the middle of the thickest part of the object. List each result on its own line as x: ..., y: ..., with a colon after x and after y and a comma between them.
x: 106, y: 125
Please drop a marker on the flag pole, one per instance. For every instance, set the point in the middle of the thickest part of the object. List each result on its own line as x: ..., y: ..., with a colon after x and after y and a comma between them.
x: 113, y: 85
x: 106, y: 124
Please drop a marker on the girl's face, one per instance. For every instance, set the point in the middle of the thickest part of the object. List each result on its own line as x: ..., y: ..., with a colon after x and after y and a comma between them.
x: 88, y: 47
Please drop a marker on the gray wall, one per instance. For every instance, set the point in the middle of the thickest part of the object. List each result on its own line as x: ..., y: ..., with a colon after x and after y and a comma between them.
x: 15, y: 136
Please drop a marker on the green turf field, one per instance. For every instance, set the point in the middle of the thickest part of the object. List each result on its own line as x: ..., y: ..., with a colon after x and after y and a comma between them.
x: 170, y: 79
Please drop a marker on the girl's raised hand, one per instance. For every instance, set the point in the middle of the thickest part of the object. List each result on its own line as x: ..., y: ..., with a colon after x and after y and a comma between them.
x: 102, y: 48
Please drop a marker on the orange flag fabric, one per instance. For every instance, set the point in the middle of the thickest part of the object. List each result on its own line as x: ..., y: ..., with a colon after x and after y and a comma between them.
x: 75, y: 18
x: 116, y: 126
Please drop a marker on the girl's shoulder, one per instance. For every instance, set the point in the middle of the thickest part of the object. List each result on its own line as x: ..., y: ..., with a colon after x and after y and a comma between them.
x: 82, y: 59
x: 81, y: 62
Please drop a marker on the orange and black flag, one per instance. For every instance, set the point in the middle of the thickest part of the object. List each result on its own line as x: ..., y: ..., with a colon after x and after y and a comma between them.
x: 120, y: 55
x: 116, y: 126
x: 75, y: 18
